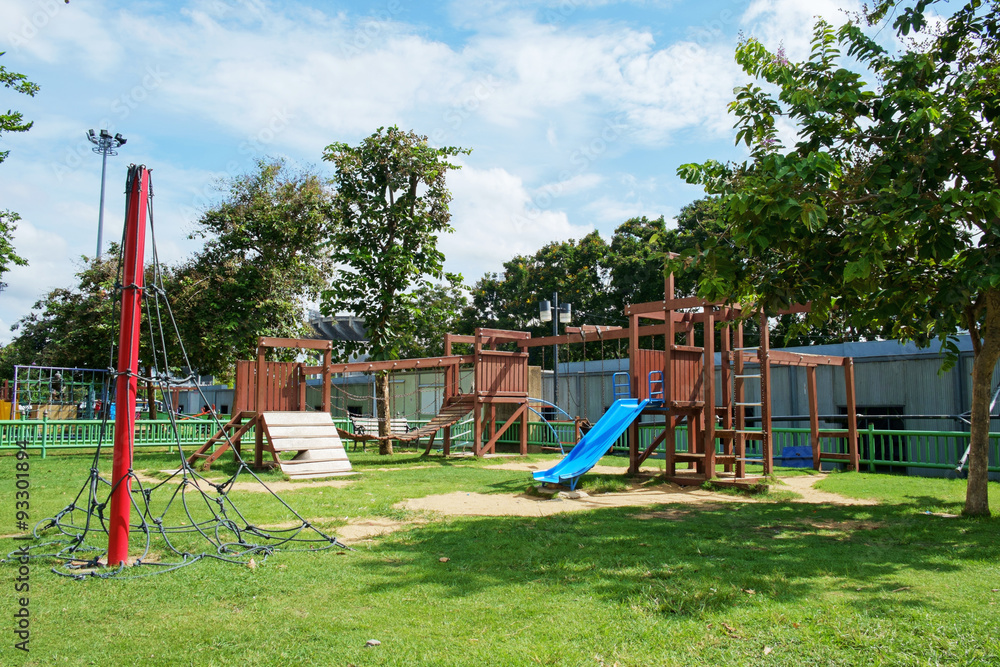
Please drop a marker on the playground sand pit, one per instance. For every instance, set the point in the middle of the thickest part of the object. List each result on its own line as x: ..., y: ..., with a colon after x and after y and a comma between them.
x: 478, y: 504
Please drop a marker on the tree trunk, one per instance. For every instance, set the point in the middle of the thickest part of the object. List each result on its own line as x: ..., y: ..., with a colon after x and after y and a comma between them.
x: 150, y: 394
x: 985, y: 359
x: 382, y: 400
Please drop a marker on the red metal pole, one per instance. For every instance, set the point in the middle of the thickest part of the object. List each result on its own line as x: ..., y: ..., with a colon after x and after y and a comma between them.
x: 137, y: 189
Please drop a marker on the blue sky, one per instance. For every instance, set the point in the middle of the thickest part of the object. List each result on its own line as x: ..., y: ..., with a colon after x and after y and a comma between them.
x: 577, y: 112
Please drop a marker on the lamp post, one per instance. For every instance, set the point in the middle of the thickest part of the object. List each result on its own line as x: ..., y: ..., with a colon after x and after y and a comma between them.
x: 545, y: 310
x: 105, y: 145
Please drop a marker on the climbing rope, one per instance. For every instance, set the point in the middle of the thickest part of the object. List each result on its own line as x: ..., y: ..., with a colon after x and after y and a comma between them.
x: 177, y: 521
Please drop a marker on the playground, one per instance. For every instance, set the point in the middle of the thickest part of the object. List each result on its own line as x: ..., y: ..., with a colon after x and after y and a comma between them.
x: 312, y: 550
x: 683, y: 575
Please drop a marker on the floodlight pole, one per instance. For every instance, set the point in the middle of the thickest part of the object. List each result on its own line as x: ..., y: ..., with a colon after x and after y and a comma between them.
x: 127, y: 383
x: 104, y: 144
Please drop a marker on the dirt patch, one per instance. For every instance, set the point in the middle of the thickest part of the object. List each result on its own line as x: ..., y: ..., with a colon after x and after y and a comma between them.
x: 366, y: 529
x: 354, y: 531
x: 803, y: 485
x: 253, y: 486
x: 480, y: 504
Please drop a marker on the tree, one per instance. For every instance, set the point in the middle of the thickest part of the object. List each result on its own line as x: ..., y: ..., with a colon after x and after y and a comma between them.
x: 391, y: 204
x: 76, y: 327
x: 437, y: 307
x: 12, y: 121
x: 888, y: 205
x: 8, y: 256
x: 635, y: 261
x: 265, y: 254
x: 576, y: 269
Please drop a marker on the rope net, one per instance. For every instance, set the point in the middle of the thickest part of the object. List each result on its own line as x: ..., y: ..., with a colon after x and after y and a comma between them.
x: 184, y: 517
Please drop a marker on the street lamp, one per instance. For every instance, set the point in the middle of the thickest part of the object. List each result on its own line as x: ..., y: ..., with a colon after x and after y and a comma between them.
x: 105, y: 145
x: 564, y: 311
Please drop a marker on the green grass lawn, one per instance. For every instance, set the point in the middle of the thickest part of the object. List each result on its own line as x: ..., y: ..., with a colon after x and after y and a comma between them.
x: 764, y: 583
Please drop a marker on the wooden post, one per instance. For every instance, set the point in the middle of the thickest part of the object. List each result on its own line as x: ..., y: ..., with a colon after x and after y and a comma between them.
x: 450, y: 389
x: 633, y: 371
x: 852, y: 414
x: 477, y: 411
x: 709, y: 375
x: 261, y: 378
x: 493, y: 427
x: 524, y: 431
x: 327, y: 377
x: 727, y: 399
x: 258, y: 450
x: 477, y: 428
x: 300, y: 375
x: 739, y: 396
x: 765, y: 394
x: 813, y: 415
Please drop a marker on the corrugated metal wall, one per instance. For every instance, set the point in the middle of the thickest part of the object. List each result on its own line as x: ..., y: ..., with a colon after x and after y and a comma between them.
x: 914, y: 385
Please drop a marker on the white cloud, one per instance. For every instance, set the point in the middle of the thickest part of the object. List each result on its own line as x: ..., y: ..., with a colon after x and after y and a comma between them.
x: 52, y: 32
x: 790, y: 22
x: 494, y: 219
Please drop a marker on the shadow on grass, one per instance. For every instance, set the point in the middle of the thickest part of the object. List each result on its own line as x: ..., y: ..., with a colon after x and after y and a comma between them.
x: 687, y: 560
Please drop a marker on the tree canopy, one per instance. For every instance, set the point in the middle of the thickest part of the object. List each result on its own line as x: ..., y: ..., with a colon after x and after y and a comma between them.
x: 74, y: 327
x: 391, y: 204
x: 12, y: 121
x: 264, y: 255
x: 887, y: 205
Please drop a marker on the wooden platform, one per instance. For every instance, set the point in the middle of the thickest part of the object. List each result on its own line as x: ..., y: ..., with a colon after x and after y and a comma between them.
x: 314, y: 436
x: 725, y: 480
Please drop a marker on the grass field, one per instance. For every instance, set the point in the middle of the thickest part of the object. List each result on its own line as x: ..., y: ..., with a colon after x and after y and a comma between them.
x: 770, y: 582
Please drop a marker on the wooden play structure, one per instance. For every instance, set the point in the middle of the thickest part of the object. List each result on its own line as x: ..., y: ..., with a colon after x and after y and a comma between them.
x: 711, y: 399
x: 714, y: 408
x: 500, y: 378
x: 270, y: 398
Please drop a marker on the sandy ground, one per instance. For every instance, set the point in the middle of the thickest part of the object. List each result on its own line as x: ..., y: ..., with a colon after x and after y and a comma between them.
x: 803, y: 485
x: 477, y: 504
x: 366, y: 529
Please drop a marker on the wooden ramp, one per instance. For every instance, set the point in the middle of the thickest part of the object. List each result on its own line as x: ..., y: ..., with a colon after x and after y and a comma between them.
x: 314, y: 436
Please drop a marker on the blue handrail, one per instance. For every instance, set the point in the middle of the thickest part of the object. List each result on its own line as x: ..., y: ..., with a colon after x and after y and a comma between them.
x: 625, y: 386
x: 655, y: 378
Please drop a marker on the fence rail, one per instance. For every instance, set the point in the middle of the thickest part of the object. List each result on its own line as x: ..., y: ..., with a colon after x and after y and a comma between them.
x: 894, y: 449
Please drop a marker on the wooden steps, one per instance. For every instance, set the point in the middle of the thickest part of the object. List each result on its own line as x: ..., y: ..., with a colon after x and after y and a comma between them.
x: 314, y: 436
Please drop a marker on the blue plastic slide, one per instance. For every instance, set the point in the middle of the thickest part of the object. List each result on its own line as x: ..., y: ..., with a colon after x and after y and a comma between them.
x: 594, y: 444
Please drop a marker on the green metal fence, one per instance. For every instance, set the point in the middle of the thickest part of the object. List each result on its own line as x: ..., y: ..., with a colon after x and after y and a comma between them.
x: 879, y: 449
